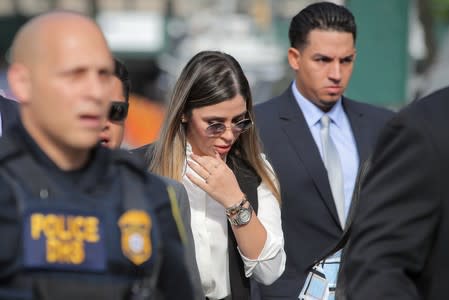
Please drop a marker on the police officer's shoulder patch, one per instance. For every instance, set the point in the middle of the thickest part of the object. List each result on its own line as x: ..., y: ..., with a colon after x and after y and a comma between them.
x: 135, y: 227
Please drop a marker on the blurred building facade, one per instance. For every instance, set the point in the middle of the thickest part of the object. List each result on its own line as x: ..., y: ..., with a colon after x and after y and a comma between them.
x: 155, y: 38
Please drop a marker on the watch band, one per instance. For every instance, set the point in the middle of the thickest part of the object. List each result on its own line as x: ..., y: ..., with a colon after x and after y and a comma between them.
x: 242, y: 216
x: 236, y: 207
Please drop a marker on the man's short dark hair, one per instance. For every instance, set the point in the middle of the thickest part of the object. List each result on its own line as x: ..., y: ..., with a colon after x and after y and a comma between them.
x: 322, y: 16
x: 121, y: 72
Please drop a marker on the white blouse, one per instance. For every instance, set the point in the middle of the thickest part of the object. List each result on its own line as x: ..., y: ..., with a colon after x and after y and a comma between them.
x: 210, y: 235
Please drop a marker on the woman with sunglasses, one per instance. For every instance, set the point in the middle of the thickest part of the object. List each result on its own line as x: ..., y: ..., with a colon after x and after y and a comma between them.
x: 208, y: 142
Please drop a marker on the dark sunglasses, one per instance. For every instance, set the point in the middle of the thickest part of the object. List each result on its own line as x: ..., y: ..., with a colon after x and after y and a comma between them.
x: 219, y: 128
x: 118, y: 111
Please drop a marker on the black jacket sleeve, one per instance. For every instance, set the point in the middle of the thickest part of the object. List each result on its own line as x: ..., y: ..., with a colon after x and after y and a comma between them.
x: 397, y: 215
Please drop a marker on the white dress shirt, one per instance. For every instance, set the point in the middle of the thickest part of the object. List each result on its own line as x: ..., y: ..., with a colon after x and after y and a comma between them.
x: 210, y: 235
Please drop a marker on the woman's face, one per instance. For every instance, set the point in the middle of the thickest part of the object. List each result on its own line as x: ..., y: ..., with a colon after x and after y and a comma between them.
x: 227, y: 112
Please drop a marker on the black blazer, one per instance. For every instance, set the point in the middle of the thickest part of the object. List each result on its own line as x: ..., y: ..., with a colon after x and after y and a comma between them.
x: 9, y: 112
x: 309, y: 216
x: 399, y: 241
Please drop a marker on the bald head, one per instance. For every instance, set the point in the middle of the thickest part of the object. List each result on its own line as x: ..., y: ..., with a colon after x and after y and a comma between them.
x: 34, y: 38
x: 61, y: 71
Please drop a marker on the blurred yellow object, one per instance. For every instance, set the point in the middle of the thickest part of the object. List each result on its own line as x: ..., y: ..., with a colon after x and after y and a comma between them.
x: 144, y: 121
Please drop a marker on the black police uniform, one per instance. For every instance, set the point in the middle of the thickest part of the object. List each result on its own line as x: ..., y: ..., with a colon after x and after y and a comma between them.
x: 102, y: 232
x: 9, y: 113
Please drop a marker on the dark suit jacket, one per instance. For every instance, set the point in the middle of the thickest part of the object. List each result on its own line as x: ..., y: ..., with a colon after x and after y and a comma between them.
x: 399, y: 241
x: 309, y: 216
x: 8, y: 111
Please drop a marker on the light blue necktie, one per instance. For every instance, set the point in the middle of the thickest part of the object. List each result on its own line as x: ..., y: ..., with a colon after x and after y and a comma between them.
x: 334, y: 170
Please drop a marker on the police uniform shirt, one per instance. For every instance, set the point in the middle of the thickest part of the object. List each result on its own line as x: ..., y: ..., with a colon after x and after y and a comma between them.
x: 173, y: 280
x: 8, y: 113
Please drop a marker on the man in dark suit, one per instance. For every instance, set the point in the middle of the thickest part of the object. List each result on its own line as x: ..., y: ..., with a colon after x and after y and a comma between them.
x: 8, y: 113
x: 399, y: 238
x: 291, y: 126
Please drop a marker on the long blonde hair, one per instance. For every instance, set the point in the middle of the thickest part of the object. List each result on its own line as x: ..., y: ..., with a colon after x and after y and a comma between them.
x: 210, y: 77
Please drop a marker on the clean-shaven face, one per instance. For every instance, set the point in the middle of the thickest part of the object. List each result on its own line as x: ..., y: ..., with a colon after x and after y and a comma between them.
x: 324, y: 66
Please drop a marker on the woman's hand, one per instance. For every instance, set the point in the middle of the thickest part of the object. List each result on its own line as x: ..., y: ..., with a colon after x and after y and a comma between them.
x: 218, y: 180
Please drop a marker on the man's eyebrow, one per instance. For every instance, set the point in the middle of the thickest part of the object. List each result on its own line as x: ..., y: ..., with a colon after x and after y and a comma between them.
x: 73, y: 70
x: 320, y: 55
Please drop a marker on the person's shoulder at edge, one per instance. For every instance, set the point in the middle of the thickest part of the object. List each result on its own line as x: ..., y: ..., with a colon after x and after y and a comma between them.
x: 426, y: 104
x: 142, y: 153
x: 426, y: 113
x: 152, y: 181
x: 8, y: 101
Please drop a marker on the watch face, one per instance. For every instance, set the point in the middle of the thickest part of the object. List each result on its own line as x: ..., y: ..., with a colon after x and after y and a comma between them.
x: 244, y: 216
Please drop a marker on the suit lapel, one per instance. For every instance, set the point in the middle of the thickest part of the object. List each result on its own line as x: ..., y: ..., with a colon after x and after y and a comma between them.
x: 359, y: 127
x: 300, y: 138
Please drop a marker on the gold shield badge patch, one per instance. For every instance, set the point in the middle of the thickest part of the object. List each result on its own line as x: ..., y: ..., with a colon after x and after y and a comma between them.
x: 135, y: 227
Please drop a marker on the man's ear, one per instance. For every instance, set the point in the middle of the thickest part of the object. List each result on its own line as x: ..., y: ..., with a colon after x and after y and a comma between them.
x: 20, y: 82
x: 293, y: 56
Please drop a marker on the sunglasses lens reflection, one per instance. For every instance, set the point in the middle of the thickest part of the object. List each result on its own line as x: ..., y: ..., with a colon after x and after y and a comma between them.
x: 243, y: 125
x: 216, y: 129
x: 219, y: 128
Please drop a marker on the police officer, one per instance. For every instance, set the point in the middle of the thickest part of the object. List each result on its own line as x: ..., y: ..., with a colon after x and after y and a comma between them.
x: 77, y: 220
